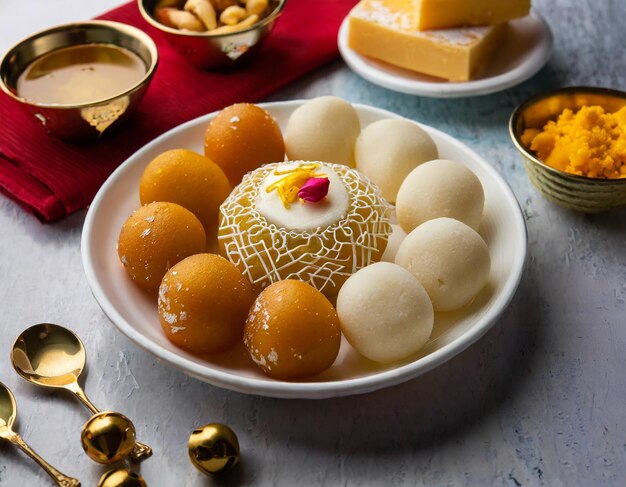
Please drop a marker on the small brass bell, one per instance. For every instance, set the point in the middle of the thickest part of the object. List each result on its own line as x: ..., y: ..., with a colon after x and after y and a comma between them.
x: 213, y: 448
x: 108, y: 437
x: 121, y: 477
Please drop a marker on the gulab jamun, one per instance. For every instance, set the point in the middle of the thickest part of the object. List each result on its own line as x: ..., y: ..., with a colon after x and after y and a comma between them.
x: 154, y: 238
x: 203, y: 304
x: 292, y: 331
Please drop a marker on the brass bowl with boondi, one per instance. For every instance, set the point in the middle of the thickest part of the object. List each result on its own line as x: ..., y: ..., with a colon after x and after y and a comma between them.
x: 579, y: 192
x: 210, y: 48
x: 80, y: 79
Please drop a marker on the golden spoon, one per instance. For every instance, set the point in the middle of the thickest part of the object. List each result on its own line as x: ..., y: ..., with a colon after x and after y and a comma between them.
x: 8, y: 412
x: 52, y: 356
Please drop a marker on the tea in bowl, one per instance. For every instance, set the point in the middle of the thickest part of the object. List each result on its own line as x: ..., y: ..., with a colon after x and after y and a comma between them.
x: 79, y: 80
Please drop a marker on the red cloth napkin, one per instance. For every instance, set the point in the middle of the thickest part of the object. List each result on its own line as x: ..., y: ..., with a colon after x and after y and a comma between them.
x: 53, y: 178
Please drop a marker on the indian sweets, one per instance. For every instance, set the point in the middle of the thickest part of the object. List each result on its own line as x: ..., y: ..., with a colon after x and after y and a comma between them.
x: 589, y: 142
x: 393, y: 244
x: 241, y: 138
x: 440, y: 188
x: 385, y: 313
x: 323, y: 129
x: 387, y: 30
x: 215, y: 17
x: 450, y: 259
x: 441, y: 14
x: 388, y: 150
x: 312, y: 221
x: 292, y: 331
x: 203, y: 304
x: 154, y: 238
x: 190, y: 180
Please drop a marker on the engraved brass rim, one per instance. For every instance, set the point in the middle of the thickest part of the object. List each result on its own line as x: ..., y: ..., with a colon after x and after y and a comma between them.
x: 115, y: 29
x: 186, y: 33
x: 581, y: 193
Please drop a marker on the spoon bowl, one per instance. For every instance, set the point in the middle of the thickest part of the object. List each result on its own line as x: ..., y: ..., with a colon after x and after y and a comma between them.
x: 8, y: 410
x: 48, y: 355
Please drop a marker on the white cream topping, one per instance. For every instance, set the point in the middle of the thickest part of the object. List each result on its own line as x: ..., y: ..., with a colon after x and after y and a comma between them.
x: 303, y: 216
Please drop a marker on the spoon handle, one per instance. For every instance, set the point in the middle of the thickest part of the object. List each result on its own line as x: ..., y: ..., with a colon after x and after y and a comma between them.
x: 61, y: 479
x: 80, y: 394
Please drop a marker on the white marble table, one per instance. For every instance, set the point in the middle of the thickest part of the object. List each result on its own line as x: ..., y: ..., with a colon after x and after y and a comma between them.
x: 540, y: 400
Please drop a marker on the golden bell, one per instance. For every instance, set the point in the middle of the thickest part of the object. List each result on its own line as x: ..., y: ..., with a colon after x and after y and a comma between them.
x: 108, y: 437
x: 213, y: 448
x: 121, y: 477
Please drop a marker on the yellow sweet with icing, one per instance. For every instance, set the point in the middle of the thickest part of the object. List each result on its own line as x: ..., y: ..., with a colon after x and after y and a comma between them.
x: 589, y: 142
x: 388, y: 31
x: 321, y: 243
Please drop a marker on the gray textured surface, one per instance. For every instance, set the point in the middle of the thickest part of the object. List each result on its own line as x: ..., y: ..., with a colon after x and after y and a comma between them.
x: 540, y: 400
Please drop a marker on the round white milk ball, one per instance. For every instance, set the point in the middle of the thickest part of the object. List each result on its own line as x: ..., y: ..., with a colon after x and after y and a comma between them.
x: 440, y: 188
x: 384, y: 312
x: 393, y: 244
x: 388, y: 150
x: 450, y: 259
x: 323, y: 129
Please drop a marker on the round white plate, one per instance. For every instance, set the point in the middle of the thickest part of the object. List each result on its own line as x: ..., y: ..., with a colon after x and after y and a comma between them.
x: 525, y: 50
x: 135, y: 314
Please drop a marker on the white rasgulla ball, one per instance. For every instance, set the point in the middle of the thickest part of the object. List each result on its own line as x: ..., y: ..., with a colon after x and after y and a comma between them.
x: 323, y: 129
x: 393, y: 244
x: 384, y: 312
x: 440, y: 188
x: 388, y: 150
x: 450, y: 259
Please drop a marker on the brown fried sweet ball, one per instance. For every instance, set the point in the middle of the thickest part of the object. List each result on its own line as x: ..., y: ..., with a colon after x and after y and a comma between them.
x: 292, y: 331
x: 188, y: 179
x: 203, y: 303
x: 241, y: 138
x: 154, y: 238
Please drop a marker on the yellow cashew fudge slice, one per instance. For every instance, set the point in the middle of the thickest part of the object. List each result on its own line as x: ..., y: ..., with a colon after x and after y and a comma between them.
x: 446, y: 14
x: 381, y: 30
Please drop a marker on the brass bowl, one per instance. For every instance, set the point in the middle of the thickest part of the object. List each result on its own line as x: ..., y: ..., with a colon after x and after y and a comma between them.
x: 86, y: 120
x: 215, y: 51
x: 580, y: 193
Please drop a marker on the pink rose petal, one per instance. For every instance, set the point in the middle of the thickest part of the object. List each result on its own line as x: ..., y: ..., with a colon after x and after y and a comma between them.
x: 314, y: 190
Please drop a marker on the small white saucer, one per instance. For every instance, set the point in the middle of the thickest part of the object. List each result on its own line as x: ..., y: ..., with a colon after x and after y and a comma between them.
x: 525, y: 51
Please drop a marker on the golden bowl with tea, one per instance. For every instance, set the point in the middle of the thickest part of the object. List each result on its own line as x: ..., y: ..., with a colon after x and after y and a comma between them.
x: 79, y: 80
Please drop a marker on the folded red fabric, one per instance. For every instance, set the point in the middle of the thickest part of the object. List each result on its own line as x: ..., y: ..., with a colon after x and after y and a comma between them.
x: 53, y: 178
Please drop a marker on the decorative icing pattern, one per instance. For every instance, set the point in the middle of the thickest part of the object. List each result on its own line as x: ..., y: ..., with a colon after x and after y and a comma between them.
x: 324, y: 257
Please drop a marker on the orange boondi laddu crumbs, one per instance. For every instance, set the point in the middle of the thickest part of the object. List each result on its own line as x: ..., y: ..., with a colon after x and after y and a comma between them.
x: 589, y: 142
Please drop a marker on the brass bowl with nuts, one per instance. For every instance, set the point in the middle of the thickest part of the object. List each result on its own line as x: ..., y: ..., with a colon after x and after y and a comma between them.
x: 580, y: 193
x: 213, y: 34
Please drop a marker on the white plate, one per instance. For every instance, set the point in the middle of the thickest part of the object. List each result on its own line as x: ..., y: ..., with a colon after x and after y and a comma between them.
x: 134, y: 313
x: 525, y: 51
